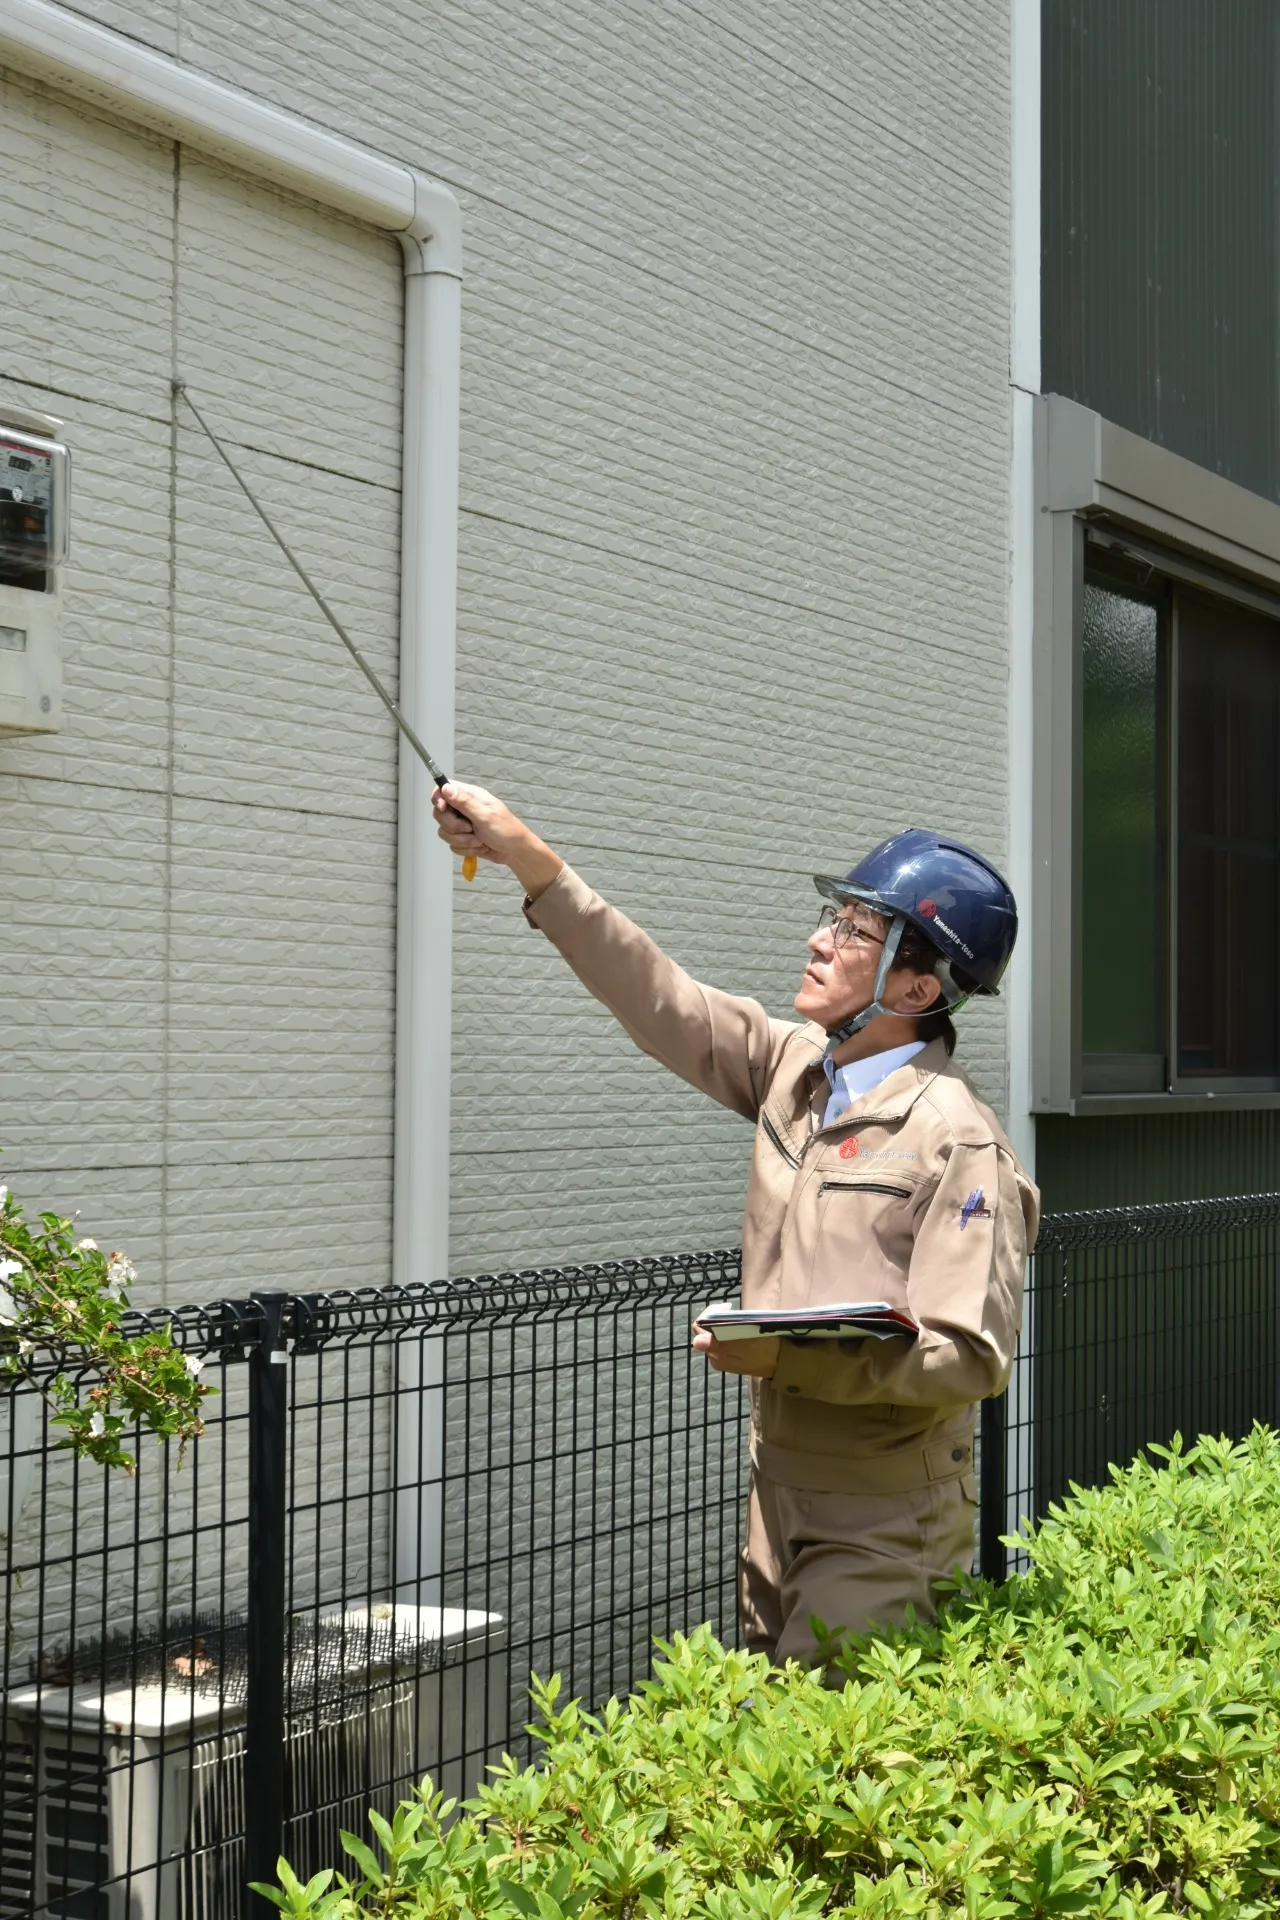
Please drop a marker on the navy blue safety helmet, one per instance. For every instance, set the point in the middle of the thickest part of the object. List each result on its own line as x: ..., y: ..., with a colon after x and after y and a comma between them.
x: 956, y: 899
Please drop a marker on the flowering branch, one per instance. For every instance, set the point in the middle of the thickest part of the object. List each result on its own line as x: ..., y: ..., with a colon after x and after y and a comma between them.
x: 62, y: 1293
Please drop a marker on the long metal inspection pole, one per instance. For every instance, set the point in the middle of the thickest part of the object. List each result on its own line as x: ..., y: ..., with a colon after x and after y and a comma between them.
x: 264, y: 1731
x: 392, y: 706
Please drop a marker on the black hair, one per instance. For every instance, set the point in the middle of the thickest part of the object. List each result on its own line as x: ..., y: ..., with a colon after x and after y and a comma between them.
x: 918, y: 954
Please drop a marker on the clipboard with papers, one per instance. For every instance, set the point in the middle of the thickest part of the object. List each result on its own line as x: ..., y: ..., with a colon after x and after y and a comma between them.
x: 845, y: 1320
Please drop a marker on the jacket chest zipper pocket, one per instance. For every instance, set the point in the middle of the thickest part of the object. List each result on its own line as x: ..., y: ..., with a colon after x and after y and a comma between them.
x: 776, y: 1138
x: 864, y: 1186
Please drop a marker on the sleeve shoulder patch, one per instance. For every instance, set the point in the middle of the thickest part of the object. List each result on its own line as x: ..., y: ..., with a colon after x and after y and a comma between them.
x: 975, y: 1208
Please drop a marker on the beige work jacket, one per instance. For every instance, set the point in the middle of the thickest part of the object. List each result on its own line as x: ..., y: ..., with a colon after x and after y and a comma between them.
x: 913, y: 1196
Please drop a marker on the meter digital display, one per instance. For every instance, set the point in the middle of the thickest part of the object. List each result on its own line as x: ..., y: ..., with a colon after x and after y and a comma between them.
x: 33, y: 502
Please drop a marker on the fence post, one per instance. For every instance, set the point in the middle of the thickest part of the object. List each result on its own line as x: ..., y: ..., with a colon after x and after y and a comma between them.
x: 264, y: 1729
x: 992, y: 1519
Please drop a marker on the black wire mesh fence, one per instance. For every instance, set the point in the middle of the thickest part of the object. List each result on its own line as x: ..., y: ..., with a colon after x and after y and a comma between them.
x: 1140, y: 1323
x: 404, y: 1502
x: 408, y: 1500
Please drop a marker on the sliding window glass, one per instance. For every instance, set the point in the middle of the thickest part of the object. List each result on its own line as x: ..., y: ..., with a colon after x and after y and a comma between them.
x: 1180, y: 835
x: 1122, y: 976
x: 1228, y: 826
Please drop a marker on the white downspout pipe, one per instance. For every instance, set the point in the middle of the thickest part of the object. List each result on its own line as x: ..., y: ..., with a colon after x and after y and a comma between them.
x: 424, y: 913
x: 1024, y: 383
x: 94, y: 64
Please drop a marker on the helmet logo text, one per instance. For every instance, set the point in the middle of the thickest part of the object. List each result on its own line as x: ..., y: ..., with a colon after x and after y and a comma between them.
x: 928, y: 911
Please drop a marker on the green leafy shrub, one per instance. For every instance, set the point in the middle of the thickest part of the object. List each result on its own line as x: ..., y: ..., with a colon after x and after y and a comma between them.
x: 65, y: 1296
x: 1099, y: 1736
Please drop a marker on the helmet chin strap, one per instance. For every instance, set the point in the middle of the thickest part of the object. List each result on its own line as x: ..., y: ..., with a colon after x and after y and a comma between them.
x: 888, y: 954
x: 837, y: 1036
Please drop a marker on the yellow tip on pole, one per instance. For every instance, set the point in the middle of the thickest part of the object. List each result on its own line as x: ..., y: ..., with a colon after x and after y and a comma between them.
x: 470, y: 867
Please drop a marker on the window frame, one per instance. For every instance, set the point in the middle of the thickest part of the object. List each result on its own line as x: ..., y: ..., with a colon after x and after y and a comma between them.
x: 1101, y: 488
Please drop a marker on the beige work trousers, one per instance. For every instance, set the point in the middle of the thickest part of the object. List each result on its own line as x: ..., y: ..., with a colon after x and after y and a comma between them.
x: 852, y: 1560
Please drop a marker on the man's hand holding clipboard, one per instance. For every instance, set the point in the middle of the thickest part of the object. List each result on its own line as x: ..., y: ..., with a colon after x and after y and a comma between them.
x: 745, y: 1339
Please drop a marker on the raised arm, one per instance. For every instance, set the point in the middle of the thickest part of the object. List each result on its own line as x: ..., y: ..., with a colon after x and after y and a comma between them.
x: 722, y: 1043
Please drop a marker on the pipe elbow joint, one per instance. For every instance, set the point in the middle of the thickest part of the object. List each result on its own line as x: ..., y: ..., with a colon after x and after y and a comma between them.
x: 432, y: 241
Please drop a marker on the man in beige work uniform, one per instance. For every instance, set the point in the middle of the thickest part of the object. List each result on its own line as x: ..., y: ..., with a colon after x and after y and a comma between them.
x: 878, y: 1174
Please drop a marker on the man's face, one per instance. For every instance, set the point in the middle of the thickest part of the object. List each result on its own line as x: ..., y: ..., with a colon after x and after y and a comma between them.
x: 844, y: 956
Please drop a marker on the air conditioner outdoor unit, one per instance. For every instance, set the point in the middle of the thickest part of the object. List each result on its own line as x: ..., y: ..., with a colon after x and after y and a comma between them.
x: 126, y: 1802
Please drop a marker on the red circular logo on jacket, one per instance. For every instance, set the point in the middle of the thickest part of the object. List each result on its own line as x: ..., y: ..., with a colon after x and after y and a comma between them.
x: 927, y: 908
x: 850, y: 1148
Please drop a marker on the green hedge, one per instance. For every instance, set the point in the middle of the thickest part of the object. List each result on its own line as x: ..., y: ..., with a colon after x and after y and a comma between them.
x: 1100, y: 1735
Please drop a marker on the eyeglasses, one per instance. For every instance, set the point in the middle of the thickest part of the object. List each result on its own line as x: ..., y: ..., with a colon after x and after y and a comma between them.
x: 844, y: 927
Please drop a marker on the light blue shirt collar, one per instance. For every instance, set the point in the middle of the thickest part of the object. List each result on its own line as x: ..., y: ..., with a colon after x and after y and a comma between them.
x: 849, y: 1083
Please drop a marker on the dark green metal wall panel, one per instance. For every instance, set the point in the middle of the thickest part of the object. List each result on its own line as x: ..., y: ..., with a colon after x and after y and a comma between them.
x: 1161, y: 223
x: 1130, y: 1161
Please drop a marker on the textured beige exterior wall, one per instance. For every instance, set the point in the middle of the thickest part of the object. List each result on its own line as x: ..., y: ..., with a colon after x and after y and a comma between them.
x: 733, y: 592
x: 198, y: 870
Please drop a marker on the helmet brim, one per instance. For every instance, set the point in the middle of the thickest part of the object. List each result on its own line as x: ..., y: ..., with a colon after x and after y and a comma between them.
x: 839, y: 891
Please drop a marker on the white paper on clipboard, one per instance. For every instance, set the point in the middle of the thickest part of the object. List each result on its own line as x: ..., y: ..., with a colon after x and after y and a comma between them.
x: 845, y: 1320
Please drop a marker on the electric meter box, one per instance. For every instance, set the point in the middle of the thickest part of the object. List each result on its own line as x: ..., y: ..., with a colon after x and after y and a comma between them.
x: 35, y: 494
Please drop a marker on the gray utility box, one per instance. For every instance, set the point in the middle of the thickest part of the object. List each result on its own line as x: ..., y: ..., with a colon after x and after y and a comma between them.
x: 35, y: 478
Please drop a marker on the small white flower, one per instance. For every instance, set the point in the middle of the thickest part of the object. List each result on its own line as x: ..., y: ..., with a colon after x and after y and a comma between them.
x: 4, y: 1195
x: 86, y: 1246
x: 97, y: 1426
x: 194, y: 1363
x: 9, y: 1266
x: 120, y: 1274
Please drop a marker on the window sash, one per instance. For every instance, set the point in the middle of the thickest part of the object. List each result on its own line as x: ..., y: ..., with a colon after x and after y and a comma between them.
x: 1226, y: 826
x: 1206, y: 890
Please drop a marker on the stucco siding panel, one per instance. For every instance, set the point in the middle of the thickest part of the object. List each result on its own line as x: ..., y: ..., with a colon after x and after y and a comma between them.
x: 88, y: 255
x: 289, y: 324
x: 200, y: 867
x: 671, y: 136
x: 154, y: 22
x: 85, y: 910
x: 280, y: 1023
x: 650, y: 423
x: 311, y: 1222
x: 752, y: 706
x: 269, y: 709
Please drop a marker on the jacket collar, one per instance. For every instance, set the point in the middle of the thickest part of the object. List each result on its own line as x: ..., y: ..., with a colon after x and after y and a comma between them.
x: 894, y: 1098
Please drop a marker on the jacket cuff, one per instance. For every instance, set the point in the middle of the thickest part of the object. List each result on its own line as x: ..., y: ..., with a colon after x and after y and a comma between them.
x: 559, y: 907
x: 800, y: 1369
